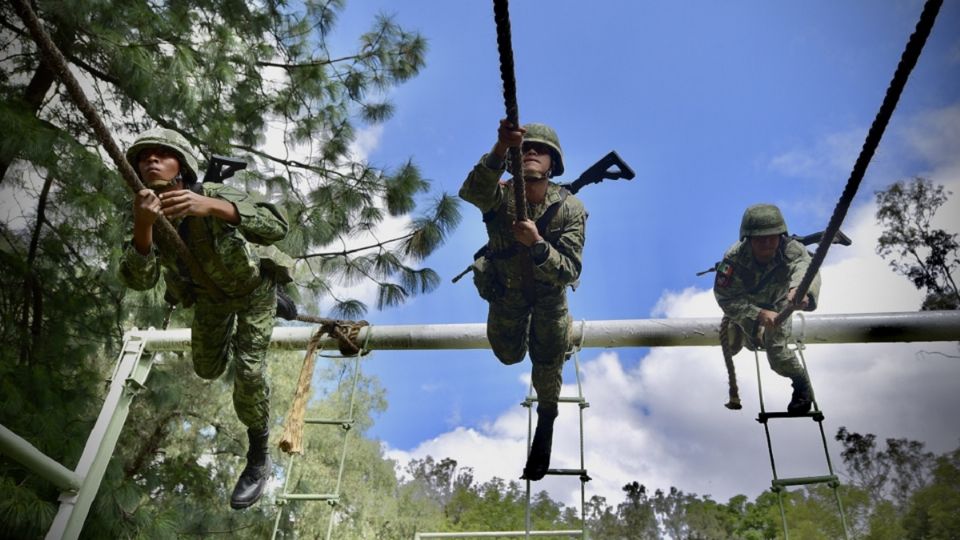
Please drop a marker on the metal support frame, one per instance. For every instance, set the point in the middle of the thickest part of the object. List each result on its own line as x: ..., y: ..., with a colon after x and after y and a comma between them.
x: 81, y: 485
x: 129, y: 376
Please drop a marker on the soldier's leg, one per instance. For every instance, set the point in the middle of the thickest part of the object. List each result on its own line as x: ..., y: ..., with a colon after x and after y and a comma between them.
x: 255, y: 322
x: 549, y: 335
x: 211, y: 338
x: 251, y: 391
x: 508, y: 320
x: 785, y: 362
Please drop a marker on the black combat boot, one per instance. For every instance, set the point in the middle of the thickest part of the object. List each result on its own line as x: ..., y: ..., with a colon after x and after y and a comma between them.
x: 254, y: 476
x: 802, y: 397
x: 539, y: 459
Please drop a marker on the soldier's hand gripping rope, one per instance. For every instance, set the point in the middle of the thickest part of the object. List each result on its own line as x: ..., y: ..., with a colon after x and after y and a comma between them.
x: 501, y: 16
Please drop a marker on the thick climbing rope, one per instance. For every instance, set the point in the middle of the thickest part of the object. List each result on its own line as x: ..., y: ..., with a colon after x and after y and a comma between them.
x: 731, y: 341
x: 907, y: 62
x: 501, y: 16
x: 167, y: 236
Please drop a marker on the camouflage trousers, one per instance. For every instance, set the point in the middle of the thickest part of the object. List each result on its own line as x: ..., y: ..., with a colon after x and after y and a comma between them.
x: 238, y: 330
x: 782, y: 360
x: 513, y: 324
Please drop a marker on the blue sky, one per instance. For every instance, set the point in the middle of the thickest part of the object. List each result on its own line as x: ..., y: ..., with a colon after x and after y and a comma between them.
x: 716, y: 106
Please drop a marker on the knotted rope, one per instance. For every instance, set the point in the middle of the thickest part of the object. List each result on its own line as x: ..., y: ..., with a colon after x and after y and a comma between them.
x: 346, y: 334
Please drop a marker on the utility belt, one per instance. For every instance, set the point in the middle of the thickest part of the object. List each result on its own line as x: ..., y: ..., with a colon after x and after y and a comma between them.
x: 489, y: 286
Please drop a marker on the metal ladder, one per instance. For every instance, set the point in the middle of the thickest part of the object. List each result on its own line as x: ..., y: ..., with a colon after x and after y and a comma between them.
x: 346, y: 425
x: 582, y: 471
x: 779, y: 485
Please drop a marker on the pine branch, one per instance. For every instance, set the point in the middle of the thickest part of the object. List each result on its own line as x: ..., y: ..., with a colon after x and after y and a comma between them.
x: 344, y: 253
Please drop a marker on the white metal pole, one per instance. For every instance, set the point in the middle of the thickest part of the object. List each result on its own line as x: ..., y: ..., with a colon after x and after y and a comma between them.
x: 687, y: 332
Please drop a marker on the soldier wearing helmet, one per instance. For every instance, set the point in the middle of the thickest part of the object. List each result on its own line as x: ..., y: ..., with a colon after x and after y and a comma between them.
x: 553, y: 238
x: 221, y: 226
x: 758, y: 278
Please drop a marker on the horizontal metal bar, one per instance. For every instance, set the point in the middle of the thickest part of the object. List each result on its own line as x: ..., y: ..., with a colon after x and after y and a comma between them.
x: 309, y: 496
x: 816, y: 415
x: 687, y: 332
x: 567, y: 472
x: 493, y: 534
x: 804, y: 480
x: 46, y: 467
x: 328, y: 422
x: 529, y: 400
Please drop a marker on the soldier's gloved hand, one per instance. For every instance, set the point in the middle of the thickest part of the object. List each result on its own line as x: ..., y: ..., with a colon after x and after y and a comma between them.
x: 526, y: 232
x: 146, y: 207
x: 803, y: 304
x: 767, y: 318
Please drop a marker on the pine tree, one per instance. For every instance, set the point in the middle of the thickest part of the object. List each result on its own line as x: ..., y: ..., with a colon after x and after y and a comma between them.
x: 263, y: 81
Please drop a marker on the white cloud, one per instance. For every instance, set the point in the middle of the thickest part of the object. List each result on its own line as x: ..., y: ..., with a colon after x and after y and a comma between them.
x: 662, y: 422
x: 831, y: 155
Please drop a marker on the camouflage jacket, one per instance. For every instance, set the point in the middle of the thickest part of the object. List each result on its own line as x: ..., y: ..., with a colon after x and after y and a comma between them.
x: 233, y: 256
x: 742, y: 286
x: 565, y: 233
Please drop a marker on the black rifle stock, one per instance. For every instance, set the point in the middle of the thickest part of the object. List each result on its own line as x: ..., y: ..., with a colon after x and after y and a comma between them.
x: 600, y: 171
x: 222, y: 167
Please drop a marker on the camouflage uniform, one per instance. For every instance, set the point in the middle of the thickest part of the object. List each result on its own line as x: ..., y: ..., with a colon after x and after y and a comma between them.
x: 240, y: 327
x: 743, y: 287
x: 511, y: 317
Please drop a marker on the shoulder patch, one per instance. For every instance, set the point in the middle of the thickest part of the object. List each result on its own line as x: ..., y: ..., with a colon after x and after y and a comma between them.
x: 724, y: 275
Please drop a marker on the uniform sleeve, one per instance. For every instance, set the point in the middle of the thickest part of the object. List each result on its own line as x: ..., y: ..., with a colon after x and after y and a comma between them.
x: 800, y: 260
x: 565, y: 257
x: 482, y: 186
x: 729, y: 290
x: 261, y: 222
x: 139, y: 272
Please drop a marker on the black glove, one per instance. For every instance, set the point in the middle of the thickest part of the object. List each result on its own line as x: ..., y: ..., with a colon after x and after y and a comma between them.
x: 286, y: 309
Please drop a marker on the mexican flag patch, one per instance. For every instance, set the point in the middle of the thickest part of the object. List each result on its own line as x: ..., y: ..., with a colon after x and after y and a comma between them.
x: 724, y: 275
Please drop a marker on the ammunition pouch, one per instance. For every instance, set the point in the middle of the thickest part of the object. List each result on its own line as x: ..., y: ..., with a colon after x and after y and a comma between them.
x: 180, y: 292
x: 485, y: 279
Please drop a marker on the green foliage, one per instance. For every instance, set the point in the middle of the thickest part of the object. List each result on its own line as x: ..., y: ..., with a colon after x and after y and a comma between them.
x: 256, y: 80
x: 927, y: 256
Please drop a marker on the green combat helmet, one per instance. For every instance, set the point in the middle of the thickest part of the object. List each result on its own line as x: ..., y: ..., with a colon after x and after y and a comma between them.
x: 166, y: 138
x: 762, y: 220
x: 545, y: 134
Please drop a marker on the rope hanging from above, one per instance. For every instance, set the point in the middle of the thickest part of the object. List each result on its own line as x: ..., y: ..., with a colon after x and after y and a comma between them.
x: 501, y: 16
x: 907, y: 62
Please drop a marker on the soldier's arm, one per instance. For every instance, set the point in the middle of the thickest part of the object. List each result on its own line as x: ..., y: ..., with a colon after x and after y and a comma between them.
x: 482, y: 186
x: 732, y: 296
x: 139, y: 272
x: 564, y: 259
x: 799, y: 260
x: 260, y: 222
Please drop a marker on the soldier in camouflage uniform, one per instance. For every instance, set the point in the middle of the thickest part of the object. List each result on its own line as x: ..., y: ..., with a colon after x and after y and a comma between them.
x: 540, y: 319
x: 222, y: 227
x: 757, y: 279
